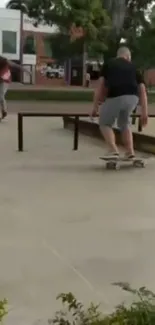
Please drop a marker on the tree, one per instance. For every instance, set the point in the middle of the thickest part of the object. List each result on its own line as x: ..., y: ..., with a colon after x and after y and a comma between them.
x: 152, y: 17
x: 86, y: 14
x: 144, y: 45
x: 63, y: 48
x: 128, y: 18
x: 126, y: 14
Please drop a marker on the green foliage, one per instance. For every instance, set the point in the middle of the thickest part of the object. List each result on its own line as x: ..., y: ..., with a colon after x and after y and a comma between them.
x: 88, y: 14
x: 63, y: 49
x: 127, y: 16
x: 136, y: 14
x: 141, y: 311
x: 143, y: 43
x: 3, y: 309
x: 144, y: 48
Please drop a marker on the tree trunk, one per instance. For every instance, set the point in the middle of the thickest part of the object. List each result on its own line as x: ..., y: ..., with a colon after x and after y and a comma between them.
x: 21, y: 42
x: 117, y: 11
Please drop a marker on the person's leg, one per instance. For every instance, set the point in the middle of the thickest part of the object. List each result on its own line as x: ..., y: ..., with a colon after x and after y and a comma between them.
x: 129, y: 103
x: 108, y: 114
x: 127, y: 137
x: 3, y: 104
x: 109, y: 137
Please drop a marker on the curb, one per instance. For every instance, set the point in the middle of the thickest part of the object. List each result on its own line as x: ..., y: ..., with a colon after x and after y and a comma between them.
x: 142, y: 142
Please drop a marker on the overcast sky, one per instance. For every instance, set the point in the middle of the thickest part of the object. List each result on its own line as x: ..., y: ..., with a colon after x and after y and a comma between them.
x: 3, y: 3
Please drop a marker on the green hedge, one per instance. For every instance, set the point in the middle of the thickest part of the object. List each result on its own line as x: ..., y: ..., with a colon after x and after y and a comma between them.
x: 53, y: 95
x: 151, y: 97
x: 57, y: 95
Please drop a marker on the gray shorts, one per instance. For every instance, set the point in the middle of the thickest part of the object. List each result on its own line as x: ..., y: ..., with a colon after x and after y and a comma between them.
x: 117, y: 109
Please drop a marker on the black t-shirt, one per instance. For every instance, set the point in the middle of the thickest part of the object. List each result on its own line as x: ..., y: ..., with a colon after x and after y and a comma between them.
x: 121, y: 77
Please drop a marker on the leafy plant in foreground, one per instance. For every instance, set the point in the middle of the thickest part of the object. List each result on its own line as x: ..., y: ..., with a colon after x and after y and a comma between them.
x: 3, y: 309
x: 140, y: 312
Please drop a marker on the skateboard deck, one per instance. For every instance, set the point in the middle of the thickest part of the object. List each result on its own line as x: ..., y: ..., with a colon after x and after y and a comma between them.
x: 115, y: 162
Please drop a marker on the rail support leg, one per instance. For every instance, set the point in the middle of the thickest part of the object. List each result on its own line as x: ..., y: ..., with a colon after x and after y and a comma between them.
x: 139, y: 125
x: 20, y: 132
x: 76, y: 133
x: 134, y: 117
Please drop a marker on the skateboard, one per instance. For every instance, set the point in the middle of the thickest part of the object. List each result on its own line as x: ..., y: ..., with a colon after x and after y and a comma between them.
x: 115, y: 163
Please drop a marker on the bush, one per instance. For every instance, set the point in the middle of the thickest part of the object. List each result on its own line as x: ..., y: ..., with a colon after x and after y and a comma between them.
x: 51, y: 95
x: 151, y: 97
x: 67, y: 95
x: 3, y: 309
x: 141, y: 311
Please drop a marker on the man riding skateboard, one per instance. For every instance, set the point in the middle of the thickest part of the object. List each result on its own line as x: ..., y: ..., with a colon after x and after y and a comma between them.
x: 125, y: 88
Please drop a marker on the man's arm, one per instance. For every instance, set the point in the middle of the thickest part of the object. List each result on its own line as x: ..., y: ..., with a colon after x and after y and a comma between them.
x: 99, y: 92
x: 14, y: 65
x: 143, y: 100
x: 10, y: 63
x: 18, y: 66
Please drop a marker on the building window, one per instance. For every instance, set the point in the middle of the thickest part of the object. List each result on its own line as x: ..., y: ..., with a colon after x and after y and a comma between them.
x: 48, y: 46
x: 30, y: 45
x: 9, y: 42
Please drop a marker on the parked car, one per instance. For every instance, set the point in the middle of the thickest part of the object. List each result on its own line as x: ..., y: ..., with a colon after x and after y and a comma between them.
x: 56, y: 73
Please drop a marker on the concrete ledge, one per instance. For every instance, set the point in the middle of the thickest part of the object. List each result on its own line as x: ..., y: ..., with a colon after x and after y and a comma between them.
x: 142, y: 142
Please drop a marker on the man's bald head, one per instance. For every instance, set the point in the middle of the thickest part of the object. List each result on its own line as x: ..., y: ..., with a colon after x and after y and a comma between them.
x: 124, y: 52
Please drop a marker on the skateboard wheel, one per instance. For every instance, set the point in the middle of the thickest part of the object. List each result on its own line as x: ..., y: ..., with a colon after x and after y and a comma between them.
x: 109, y: 165
x: 139, y: 164
x: 117, y: 167
x: 112, y: 165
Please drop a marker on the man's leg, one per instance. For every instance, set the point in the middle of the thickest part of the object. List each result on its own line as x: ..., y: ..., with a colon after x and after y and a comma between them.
x: 108, y: 115
x: 109, y: 137
x: 125, y: 125
x: 127, y: 139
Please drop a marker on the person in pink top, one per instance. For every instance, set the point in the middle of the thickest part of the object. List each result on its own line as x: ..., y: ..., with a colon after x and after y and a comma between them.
x: 5, y: 80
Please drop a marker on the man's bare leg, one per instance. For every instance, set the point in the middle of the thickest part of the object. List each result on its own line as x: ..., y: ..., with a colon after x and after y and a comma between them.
x: 109, y: 137
x: 127, y: 138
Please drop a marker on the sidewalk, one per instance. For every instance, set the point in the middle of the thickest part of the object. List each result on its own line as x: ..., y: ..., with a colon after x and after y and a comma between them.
x: 67, y: 224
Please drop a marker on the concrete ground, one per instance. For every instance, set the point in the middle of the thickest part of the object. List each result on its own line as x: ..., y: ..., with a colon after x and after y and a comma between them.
x: 67, y: 224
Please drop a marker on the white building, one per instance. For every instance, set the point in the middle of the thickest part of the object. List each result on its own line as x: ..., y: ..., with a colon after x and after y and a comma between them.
x: 23, y: 42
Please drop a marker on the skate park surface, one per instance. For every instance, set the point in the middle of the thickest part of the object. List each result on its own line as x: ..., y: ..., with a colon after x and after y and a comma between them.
x: 68, y: 224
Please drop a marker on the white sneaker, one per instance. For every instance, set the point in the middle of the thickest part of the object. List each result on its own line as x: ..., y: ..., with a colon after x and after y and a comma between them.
x: 112, y: 155
x: 129, y: 156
